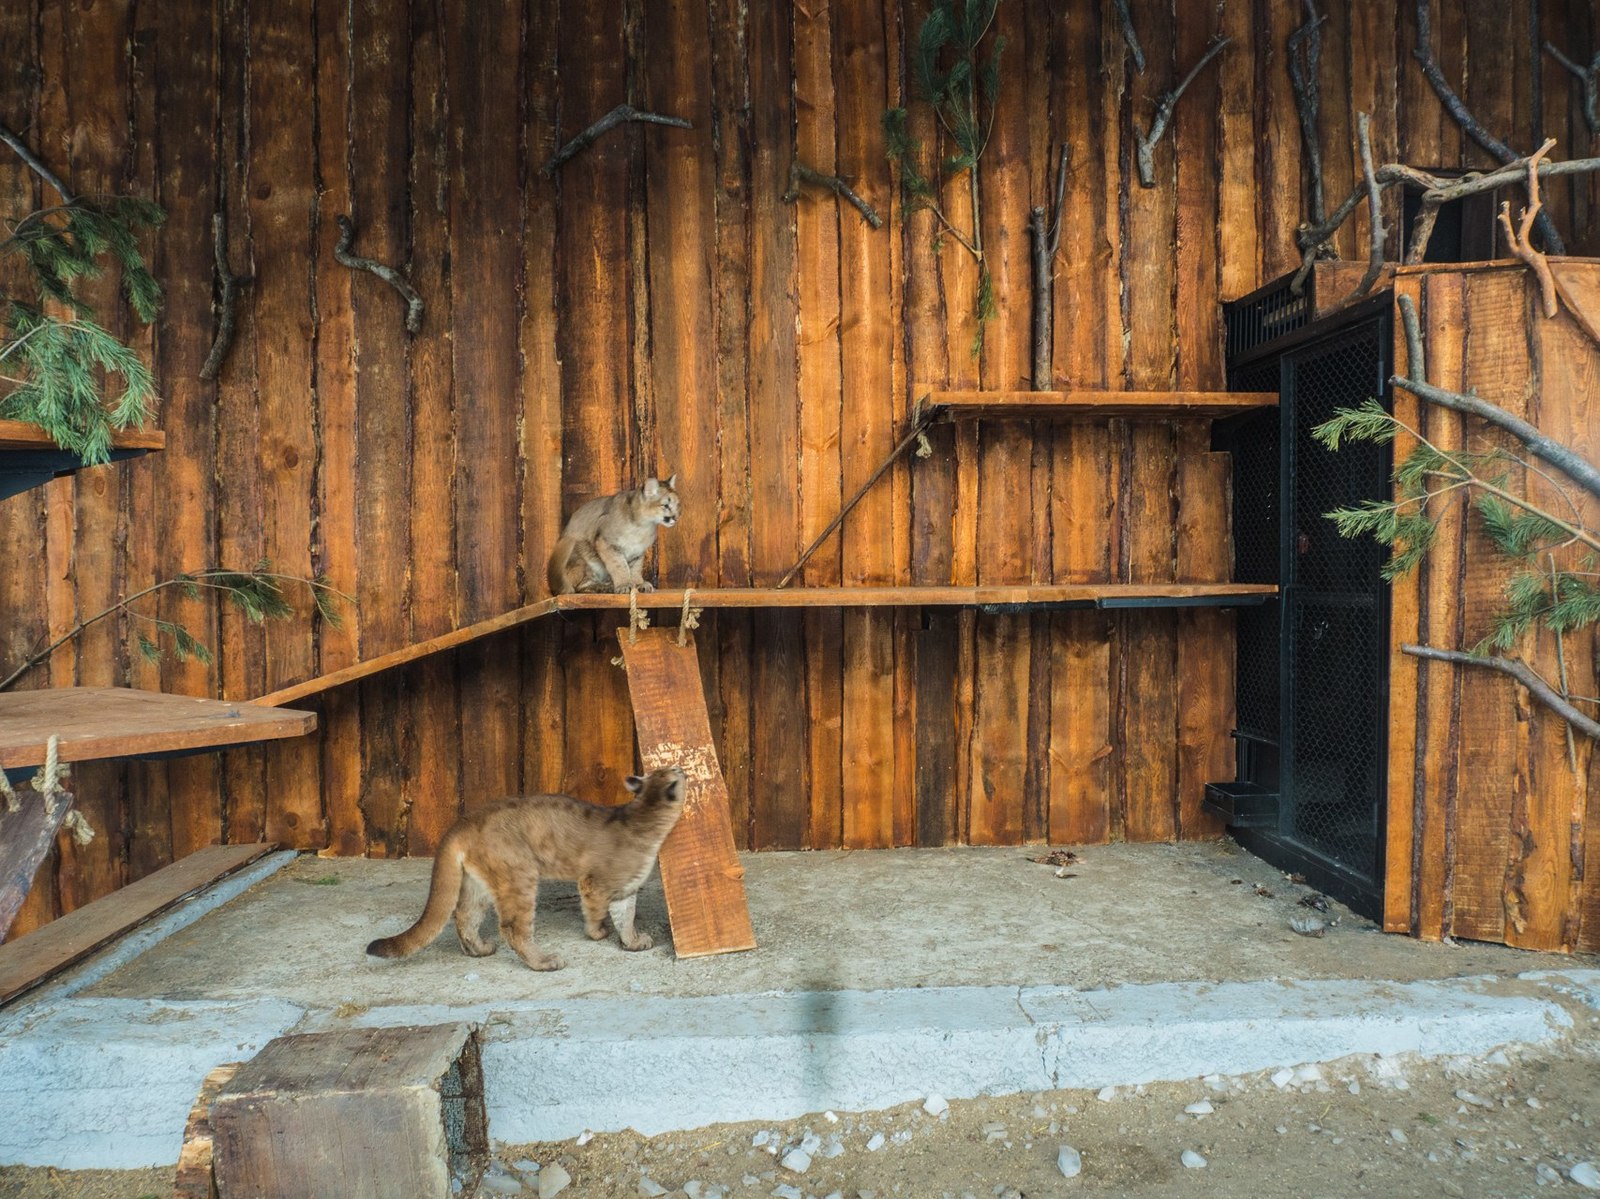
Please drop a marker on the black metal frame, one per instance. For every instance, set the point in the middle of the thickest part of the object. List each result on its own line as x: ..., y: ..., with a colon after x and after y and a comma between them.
x: 1264, y: 808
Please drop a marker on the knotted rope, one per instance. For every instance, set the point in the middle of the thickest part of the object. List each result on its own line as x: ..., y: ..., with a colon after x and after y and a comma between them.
x: 48, y: 784
x: 688, y: 619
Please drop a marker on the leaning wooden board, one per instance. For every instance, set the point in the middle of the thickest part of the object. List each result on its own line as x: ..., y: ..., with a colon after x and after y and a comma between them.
x: 700, y: 869
x: 31, y: 959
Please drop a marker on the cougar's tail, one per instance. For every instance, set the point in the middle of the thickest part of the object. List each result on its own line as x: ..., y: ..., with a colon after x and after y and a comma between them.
x: 557, y: 574
x: 443, y: 892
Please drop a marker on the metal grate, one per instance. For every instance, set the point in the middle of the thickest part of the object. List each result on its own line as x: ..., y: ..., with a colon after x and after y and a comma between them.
x: 1253, y: 444
x: 1266, y: 314
x: 1334, y: 611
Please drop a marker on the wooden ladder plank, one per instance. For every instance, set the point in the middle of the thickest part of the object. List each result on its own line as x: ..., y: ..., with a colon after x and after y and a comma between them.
x: 700, y: 869
x: 26, y: 836
x: 30, y: 960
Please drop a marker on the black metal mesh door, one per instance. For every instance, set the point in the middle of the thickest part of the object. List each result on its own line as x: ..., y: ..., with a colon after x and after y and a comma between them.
x: 1335, y: 618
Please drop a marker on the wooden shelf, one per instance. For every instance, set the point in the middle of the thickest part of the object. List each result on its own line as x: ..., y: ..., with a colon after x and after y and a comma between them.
x: 1066, y: 595
x: 119, y: 722
x: 1096, y: 405
x: 29, y: 459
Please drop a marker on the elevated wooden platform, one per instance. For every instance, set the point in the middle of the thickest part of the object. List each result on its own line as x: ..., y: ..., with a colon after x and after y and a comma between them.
x: 119, y: 722
x: 1065, y: 595
x: 28, y: 458
x: 1095, y: 405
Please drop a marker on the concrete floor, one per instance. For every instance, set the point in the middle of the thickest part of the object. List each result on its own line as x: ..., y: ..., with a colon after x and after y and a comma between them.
x: 824, y: 921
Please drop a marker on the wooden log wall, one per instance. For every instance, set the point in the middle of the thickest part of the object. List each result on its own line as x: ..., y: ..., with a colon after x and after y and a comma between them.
x: 1494, y: 822
x: 658, y: 305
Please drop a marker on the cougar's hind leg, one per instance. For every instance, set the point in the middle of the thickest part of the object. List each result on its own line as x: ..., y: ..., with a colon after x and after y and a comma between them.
x: 518, y: 904
x: 471, y: 908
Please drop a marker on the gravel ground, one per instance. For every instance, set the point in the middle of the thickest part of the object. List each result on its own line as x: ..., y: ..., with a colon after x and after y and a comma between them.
x: 1501, y: 1126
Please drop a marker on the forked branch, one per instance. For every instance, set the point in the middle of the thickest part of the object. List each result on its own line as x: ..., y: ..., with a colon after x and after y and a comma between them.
x: 1589, y: 79
x: 1145, y: 147
x: 1517, y: 239
x: 800, y: 173
x: 1519, y: 670
x: 619, y: 115
x: 342, y: 255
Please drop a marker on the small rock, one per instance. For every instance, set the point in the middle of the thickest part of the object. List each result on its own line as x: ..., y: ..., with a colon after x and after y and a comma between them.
x: 1398, y: 1136
x: 1475, y: 1100
x: 585, y: 1137
x: 553, y: 1180
x: 1069, y: 1161
x: 1203, y: 1108
x: 784, y: 1191
x: 750, y: 1180
x: 935, y: 1105
x: 1193, y: 1160
x: 1546, y: 1174
x: 497, y: 1181
x: 1304, y: 1074
x: 695, y: 1189
x: 1586, y: 1175
x: 1498, y: 1058
x: 834, y: 1195
x: 1309, y: 924
x: 830, y: 1117
x: 525, y: 1165
x: 810, y: 1143
x: 1355, y: 1087
x: 1055, y: 1127
x: 875, y: 1142
x: 1534, y: 1103
x: 649, y: 1188
x: 994, y: 1132
x: 760, y: 1139
x: 903, y: 1137
x: 455, y: 1186
x: 1282, y: 1129
x: 833, y: 1148
x: 1038, y: 1112
x: 797, y: 1161
x: 1282, y: 1078
x: 1106, y: 1094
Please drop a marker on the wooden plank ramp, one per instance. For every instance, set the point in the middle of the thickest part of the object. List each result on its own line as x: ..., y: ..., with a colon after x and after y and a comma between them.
x: 700, y: 869
x: 30, y: 960
x: 26, y: 838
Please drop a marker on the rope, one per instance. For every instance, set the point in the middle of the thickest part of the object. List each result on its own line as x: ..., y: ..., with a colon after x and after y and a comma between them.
x: 9, y: 792
x: 48, y: 780
x: 48, y: 784
x: 688, y: 619
x: 638, y: 618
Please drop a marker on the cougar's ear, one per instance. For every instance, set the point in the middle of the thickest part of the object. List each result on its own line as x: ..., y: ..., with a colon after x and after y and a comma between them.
x: 633, y: 783
x: 672, y: 482
x: 652, y: 488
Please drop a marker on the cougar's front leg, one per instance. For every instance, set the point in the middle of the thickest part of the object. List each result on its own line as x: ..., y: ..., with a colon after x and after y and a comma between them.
x: 622, y: 915
x: 616, y: 565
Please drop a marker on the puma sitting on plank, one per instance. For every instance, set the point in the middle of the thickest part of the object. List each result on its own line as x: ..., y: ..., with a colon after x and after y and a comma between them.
x: 607, y: 538
x: 498, y: 853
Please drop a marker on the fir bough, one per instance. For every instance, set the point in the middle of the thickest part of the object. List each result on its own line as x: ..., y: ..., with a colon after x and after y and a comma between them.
x: 955, y: 65
x: 1554, y: 587
x: 57, y: 361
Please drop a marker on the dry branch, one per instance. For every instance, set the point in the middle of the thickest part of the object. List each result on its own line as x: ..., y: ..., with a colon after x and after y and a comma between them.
x: 800, y: 173
x: 1125, y: 19
x: 1572, y: 464
x: 1517, y: 239
x: 619, y: 115
x: 1046, y: 241
x: 1374, y: 207
x: 1589, y: 78
x: 1469, y: 123
x: 1305, y: 59
x: 1146, y: 142
x: 1519, y: 670
x: 229, y: 296
x: 32, y: 162
x: 342, y: 255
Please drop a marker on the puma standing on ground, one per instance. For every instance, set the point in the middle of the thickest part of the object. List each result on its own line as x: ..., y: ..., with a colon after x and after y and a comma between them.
x: 606, y: 539
x: 498, y: 853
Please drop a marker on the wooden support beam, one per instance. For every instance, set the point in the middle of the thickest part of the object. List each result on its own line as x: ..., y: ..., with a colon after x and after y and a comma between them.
x: 700, y: 869
x: 1096, y: 405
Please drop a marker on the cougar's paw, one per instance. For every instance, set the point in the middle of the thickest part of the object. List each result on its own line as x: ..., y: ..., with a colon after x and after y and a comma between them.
x: 640, y: 941
x: 545, y: 961
x: 599, y: 932
x: 477, y: 949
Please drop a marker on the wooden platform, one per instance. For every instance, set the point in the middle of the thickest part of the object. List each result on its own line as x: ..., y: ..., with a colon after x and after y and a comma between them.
x: 29, y: 458
x: 1095, y: 405
x: 119, y: 722
x: 1066, y: 595
x: 30, y: 960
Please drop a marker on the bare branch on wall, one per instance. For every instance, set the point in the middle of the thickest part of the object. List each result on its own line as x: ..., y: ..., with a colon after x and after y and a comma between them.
x: 1589, y: 79
x: 1469, y: 124
x: 1125, y: 19
x: 229, y: 284
x: 1374, y: 209
x: 1146, y: 142
x: 342, y: 255
x: 1519, y: 670
x: 1046, y: 241
x: 31, y: 160
x: 619, y: 115
x: 1517, y: 239
x: 800, y: 173
x: 1305, y: 59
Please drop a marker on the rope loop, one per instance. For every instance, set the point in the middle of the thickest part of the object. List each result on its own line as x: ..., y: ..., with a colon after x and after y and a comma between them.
x: 688, y: 618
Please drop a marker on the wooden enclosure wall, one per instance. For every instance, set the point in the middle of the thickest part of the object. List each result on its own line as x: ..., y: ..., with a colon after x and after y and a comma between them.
x: 1491, y: 823
x: 659, y: 306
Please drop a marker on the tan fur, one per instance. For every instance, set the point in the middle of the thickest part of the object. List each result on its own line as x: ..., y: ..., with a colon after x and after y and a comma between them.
x: 498, y: 853
x: 606, y: 539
